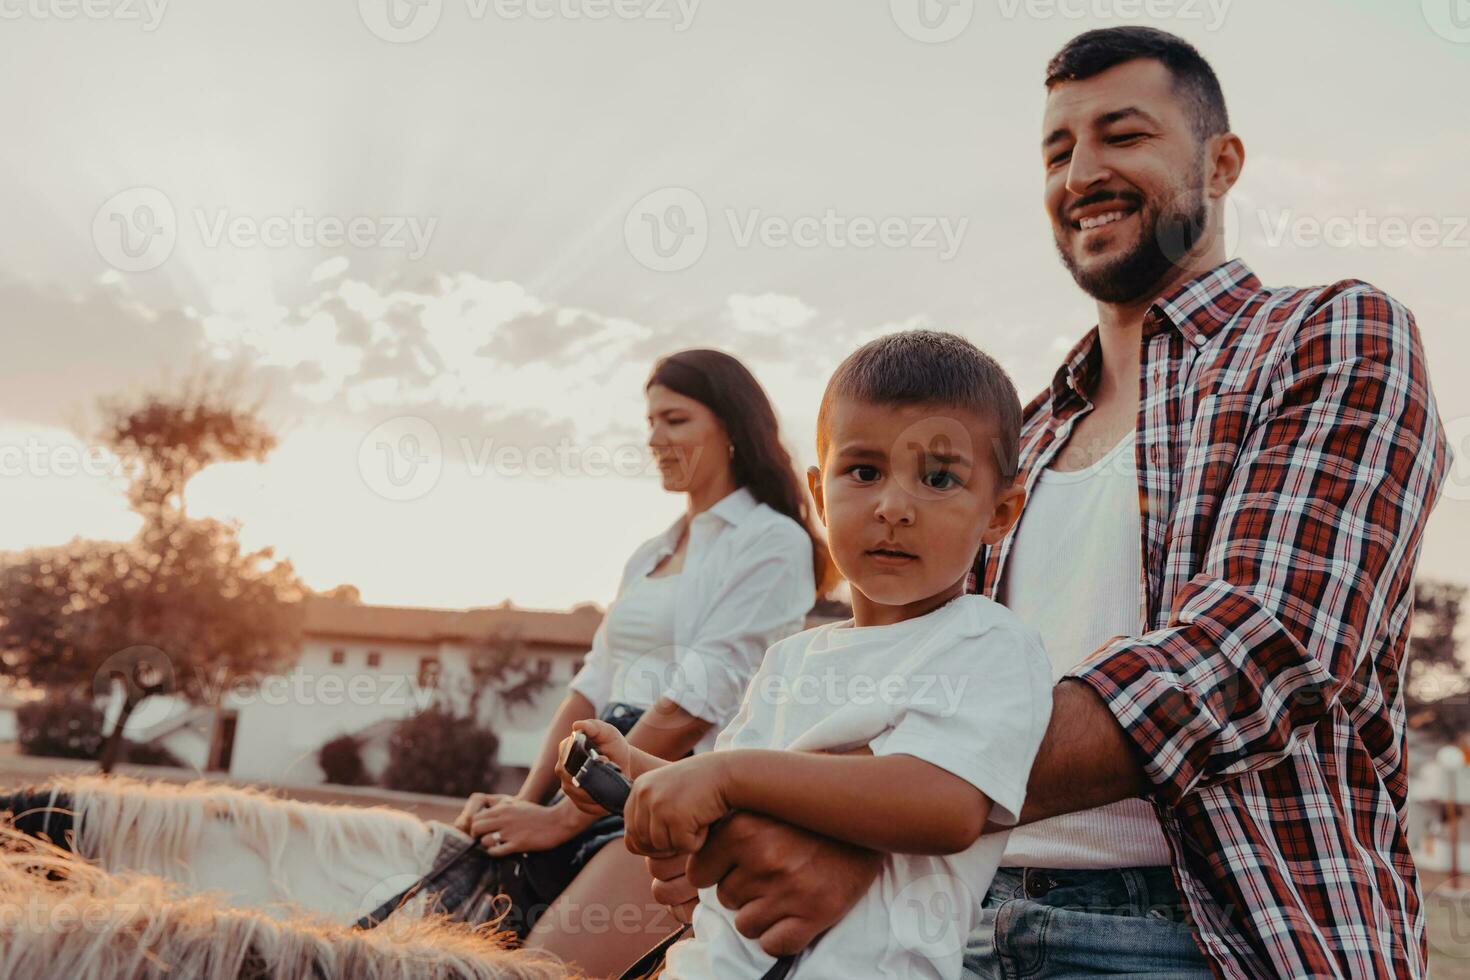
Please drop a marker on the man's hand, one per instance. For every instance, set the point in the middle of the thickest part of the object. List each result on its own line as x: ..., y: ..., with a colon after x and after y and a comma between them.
x: 785, y: 885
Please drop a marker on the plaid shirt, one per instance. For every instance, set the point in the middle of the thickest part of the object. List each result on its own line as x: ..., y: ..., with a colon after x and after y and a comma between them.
x: 1289, y: 452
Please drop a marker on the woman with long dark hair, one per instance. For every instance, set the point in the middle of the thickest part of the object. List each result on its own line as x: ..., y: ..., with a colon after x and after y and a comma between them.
x: 696, y: 609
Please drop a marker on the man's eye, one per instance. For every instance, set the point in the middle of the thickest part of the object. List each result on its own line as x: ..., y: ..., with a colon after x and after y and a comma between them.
x: 1125, y: 137
x: 1060, y: 158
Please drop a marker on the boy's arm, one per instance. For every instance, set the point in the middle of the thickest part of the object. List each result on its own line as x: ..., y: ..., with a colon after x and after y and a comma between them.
x: 894, y: 803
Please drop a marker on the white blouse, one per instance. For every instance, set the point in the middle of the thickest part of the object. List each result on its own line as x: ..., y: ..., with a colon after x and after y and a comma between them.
x: 747, y: 582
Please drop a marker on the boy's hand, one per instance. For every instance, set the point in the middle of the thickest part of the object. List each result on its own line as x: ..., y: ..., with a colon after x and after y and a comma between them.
x: 609, y: 743
x: 671, y: 809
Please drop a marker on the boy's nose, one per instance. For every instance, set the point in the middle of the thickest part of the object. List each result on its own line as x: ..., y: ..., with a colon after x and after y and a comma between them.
x: 895, y: 507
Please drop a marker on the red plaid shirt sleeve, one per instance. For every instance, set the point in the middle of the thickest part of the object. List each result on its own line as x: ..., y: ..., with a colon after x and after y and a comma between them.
x: 1341, y: 459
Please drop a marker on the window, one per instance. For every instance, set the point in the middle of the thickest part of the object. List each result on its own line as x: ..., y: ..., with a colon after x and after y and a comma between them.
x: 544, y: 666
x: 428, y: 672
x: 374, y: 659
x: 339, y: 657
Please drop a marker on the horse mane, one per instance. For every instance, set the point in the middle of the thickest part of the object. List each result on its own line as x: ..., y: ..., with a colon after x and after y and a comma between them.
x: 63, y: 917
x: 155, y: 826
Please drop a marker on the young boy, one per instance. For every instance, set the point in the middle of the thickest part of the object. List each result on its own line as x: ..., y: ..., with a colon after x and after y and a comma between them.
x: 903, y: 729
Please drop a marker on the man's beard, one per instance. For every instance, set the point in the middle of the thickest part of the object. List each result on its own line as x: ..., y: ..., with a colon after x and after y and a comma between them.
x: 1165, y: 239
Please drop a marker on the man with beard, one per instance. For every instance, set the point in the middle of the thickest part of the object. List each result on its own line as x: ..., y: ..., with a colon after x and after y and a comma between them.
x: 1227, y: 488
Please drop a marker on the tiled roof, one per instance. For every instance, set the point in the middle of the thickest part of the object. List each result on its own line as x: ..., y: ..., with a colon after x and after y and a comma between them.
x: 337, y: 618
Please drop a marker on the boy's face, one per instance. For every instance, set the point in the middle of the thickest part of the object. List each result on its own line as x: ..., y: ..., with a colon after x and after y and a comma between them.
x: 908, y: 493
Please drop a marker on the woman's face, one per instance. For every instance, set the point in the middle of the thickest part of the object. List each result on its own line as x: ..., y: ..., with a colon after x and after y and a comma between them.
x: 687, y: 440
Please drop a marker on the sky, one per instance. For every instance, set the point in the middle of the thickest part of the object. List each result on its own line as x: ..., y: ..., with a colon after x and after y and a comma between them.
x: 443, y: 242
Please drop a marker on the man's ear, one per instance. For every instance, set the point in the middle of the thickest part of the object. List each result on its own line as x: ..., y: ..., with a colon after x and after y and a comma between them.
x: 1008, y: 507
x: 814, y: 484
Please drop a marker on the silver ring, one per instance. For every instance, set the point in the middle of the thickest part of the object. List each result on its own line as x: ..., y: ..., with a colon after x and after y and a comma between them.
x: 495, y: 836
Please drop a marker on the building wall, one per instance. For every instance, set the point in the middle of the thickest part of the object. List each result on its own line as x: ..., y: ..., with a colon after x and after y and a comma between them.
x: 283, y: 723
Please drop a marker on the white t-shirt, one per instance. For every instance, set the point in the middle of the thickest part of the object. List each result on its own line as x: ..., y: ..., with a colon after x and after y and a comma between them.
x: 966, y: 688
x: 1075, y: 573
x: 747, y: 582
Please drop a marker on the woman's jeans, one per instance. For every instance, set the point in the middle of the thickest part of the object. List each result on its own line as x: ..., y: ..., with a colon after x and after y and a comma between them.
x: 1052, y: 924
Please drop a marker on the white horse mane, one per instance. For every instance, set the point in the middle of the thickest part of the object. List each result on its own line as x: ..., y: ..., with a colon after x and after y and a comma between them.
x: 63, y: 917
x: 155, y: 827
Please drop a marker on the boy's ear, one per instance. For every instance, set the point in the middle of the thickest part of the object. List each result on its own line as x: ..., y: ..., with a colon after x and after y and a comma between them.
x: 1008, y: 507
x: 814, y: 484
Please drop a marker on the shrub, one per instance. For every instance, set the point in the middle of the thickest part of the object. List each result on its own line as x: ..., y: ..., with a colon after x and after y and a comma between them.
x: 62, y: 727
x: 71, y: 728
x: 437, y: 751
x: 341, y: 762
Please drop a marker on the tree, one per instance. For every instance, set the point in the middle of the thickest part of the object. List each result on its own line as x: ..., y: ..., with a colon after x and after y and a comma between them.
x: 497, y: 664
x: 1436, y: 695
x: 438, y: 751
x: 179, y: 609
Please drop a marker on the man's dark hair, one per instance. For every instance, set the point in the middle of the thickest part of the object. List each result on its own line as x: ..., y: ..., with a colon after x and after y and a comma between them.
x: 929, y: 367
x: 1095, y: 52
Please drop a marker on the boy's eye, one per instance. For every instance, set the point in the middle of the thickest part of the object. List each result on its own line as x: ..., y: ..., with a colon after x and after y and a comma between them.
x: 940, y: 480
x: 864, y: 474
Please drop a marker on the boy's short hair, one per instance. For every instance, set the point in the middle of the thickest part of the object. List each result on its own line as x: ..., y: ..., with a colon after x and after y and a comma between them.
x: 929, y: 367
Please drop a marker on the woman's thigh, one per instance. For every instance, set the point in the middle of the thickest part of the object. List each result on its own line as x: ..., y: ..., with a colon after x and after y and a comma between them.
x: 607, y: 918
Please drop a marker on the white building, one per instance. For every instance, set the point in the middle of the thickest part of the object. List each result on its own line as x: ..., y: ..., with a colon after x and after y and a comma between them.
x: 361, y: 669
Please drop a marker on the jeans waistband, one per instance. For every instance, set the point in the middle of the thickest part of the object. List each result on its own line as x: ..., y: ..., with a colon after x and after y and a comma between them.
x: 1131, y: 891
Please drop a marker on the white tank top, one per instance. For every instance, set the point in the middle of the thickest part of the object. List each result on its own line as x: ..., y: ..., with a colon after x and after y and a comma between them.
x: 640, y: 640
x: 1075, y: 575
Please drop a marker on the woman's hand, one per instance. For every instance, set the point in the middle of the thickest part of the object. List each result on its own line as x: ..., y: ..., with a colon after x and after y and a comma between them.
x: 472, y: 806
x: 672, y: 808
x: 511, y: 826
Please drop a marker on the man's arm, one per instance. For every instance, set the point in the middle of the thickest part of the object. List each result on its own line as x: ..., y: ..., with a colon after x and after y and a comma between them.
x: 1086, y: 760
x: 1313, y: 548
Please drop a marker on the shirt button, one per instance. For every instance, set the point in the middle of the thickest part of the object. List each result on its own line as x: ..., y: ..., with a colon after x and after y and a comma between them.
x: 1199, y: 340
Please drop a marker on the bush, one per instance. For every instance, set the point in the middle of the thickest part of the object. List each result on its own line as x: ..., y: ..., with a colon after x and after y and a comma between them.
x: 437, y: 751
x: 64, y: 727
x: 71, y: 728
x: 341, y: 762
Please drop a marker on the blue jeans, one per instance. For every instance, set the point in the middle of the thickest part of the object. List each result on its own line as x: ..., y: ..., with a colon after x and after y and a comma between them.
x: 1050, y: 924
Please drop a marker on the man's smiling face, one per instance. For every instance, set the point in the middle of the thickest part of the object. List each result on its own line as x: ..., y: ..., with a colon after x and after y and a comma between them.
x: 1124, y: 178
